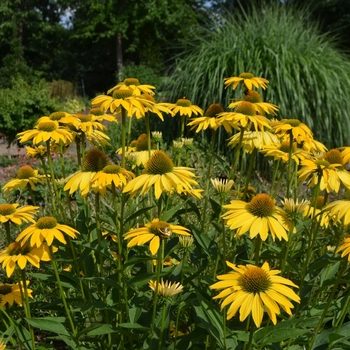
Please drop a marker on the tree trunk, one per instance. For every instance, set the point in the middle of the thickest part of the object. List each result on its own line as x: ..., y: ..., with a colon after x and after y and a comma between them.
x: 119, y: 56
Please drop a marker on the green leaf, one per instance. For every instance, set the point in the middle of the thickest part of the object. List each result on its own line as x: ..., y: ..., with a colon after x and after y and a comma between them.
x: 135, y: 326
x: 329, y: 272
x: 97, y: 329
x: 170, y: 213
x: 48, y: 324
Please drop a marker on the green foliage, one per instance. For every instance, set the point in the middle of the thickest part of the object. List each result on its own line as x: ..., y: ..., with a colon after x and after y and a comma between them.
x: 22, y: 104
x: 307, y: 74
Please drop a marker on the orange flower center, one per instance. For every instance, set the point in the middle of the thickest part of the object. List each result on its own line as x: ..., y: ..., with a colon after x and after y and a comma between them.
x: 183, y: 102
x: 320, y: 202
x: 112, y: 169
x: 291, y: 122
x: 46, y: 222
x: 57, y: 115
x: 246, y: 75
x: 7, y: 209
x: 148, y: 97
x: 262, y: 205
x: 333, y: 156
x: 48, y: 126
x: 253, y: 97
x: 213, y: 110
x: 25, y: 172
x: 131, y: 81
x: 5, y: 289
x: 142, y: 143
x: 122, y: 93
x: 159, y: 164
x: 94, y: 161
x: 96, y: 111
x: 84, y: 118
x: 18, y: 248
x: 161, y: 229
x: 255, y: 280
x: 285, y: 147
x: 246, y: 108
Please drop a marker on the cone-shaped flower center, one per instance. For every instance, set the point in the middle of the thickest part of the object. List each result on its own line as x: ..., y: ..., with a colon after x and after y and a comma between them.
x: 253, y: 97
x: 213, y: 110
x: 46, y: 222
x: 246, y: 75
x: 7, y: 209
x: 159, y: 164
x: 84, y: 118
x: 122, y: 93
x: 320, y: 202
x: 18, y: 248
x: 285, y: 147
x: 25, y: 172
x: 291, y: 122
x: 183, y: 102
x: 161, y: 229
x: 148, y: 97
x: 112, y: 169
x: 246, y: 108
x: 48, y: 126
x: 333, y: 156
x: 255, y: 280
x: 131, y: 81
x: 96, y: 111
x: 94, y: 161
x: 322, y: 163
x: 57, y: 115
x: 262, y: 205
x: 141, y: 143
x: 5, y: 289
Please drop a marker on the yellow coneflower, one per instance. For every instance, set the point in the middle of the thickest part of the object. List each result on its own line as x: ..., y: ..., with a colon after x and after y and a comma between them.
x: 10, y: 293
x: 26, y: 175
x: 136, y: 87
x: 20, y: 253
x: 46, y: 131
x: 46, y: 229
x: 255, y: 98
x: 339, y: 211
x: 294, y: 209
x: 36, y: 151
x: 345, y: 247
x: 248, y: 79
x: 252, y: 290
x: 222, y: 185
x: 295, y: 128
x: 161, y: 173
x: 260, y: 217
x: 209, y: 120
x: 184, y: 108
x: 166, y: 289
x: 94, y: 161
x: 17, y: 215
x: 329, y: 171
x: 153, y: 232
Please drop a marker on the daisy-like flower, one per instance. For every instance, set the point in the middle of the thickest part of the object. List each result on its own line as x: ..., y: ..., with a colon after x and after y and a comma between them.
x: 255, y: 98
x: 46, y: 229
x: 253, y: 140
x: 17, y: 215
x: 20, y: 253
x: 184, y: 108
x: 155, y: 108
x: 138, y: 152
x: 10, y: 293
x: 209, y: 120
x: 222, y: 185
x: 135, y: 86
x: 339, y: 211
x: 153, y: 232
x: 61, y: 117
x: 157, y: 136
x: 281, y: 151
x: 161, y: 173
x: 293, y: 128
x: 122, y: 97
x: 248, y: 80
x: 345, y: 151
x: 36, y: 151
x: 244, y: 116
x: 260, y: 217
x: 319, y: 212
x: 166, y: 289
x: 329, y: 171
x: 345, y: 247
x: 294, y: 209
x: 111, y: 175
x: 26, y: 176
x: 46, y: 131
x: 252, y: 290
x: 94, y: 161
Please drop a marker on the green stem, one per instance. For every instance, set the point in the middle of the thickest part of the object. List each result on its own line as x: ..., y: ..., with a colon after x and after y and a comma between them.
x: 48, y: 182
x: 14, y: 325
x: 160, y: 343
x: 250, y: 172
x: 123, y: 135
x: 29, y: 187
x: 238, y: 151
x: 63, y: 297
x: 8, y: 232
x: 290, y: 160
x: 290, y: 237
x: 148, y: 132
